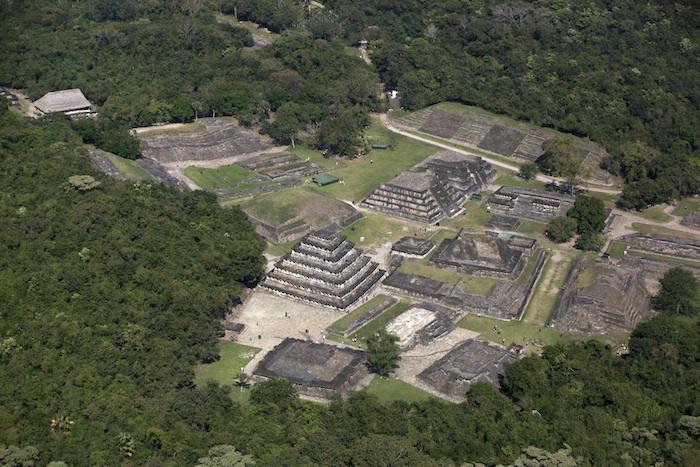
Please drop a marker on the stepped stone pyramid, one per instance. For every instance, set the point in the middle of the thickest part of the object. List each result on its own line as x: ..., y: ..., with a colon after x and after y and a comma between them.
x: 435, y: 189
x: 324, y: 268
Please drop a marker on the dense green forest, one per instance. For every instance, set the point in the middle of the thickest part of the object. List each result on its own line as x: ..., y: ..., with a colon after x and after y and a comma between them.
x: 109, y: 291
x: 108, y: 294
x: 621, y: 72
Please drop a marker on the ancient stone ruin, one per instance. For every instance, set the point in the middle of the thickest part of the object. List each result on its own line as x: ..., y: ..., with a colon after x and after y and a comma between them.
x: 692, y: 220
x: 435, y: 189
x: 469, y: 362
x: 220, y: 140
x: 413, y: 247
x: 662, y: 245
x: 282, y: 166
x: 317, y: 370
x: 527, y: 203
x: 422, y: 324
x: 597, y: 297
x: 615, y: 294
x: 325, y: 269
x: 485, y: 132
x: 485, y: 254
x: 510, y: 224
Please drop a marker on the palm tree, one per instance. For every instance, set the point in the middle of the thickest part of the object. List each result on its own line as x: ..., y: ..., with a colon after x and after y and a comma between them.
x: 241, y: 380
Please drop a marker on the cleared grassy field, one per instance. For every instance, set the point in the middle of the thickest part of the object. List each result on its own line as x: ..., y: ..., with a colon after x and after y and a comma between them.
x: 686, y: 206
x: 656, y: 214
x: 280, y: 207
x: 130, y: 168
x: 219, y: 177
x: 513, y: 332
x: 233, y: 358
x: 363, y: 174
x: 392, y: 389
x: 546, y: 291
x: 378, y: 229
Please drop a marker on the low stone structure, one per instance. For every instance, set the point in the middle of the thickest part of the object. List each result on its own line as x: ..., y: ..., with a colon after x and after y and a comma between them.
x: 71, y: 102
x: 484, y: 254
x: 422, y: 324
x: 372, y: 313
x: 324, y: 268
x: 469, y: 362
x: 316, y: 370
x: 436, y: 188
x: 507, y: 299
x: 492, y: 134
x: 506, y: 223
x: 692, y: 220
x: 220, y: 140
x: 527, y: 203
x: 662, y: 245
x: 413, y: 247
x: 597, y: 297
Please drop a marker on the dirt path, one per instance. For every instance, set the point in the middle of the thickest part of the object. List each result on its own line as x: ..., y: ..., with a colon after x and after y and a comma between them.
x: 169, y: 126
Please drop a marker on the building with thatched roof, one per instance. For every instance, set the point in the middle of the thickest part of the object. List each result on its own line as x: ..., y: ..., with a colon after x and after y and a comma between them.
x: 70, y: 102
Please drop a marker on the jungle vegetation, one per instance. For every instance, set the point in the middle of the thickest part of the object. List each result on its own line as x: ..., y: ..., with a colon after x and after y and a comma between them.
x: 109, y: 291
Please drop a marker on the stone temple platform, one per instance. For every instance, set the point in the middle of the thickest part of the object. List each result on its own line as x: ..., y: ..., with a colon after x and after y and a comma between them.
x: 435, y: 189
x: 412, y: 247
x: 598, y: 297
x: 527, y: 203
x: 324, y: 268
x: 317, y: 370
x: 484, y: 254
x: 469, y: 362
x: 422, y: 324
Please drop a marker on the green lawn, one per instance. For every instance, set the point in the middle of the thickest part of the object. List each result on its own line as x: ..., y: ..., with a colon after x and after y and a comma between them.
x: 279, y: 249
x: 547, y: 290
x: 513, y: 331
x: 378, y: 229
x: 129, y: 168
x: 474, y: 216
x: 220, y: 177
x: 392, y: 389
x: 233, y: 358
x: 363, y: 174
x: 656, y: 213
x: 342, y: 324
x: 314, y: 155
x: 686, y: 206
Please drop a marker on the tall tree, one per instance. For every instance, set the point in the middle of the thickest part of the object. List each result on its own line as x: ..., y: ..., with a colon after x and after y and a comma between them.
x: 589, y: 212
x: 679, y: 293
x: 561, y: 158
x: 382, y: 352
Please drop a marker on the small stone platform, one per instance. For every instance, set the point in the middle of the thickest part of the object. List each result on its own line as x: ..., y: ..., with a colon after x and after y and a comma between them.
x: 413, y: 247
x: 317, y: 370
x: 469, y: 362
x: 527, y: 203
